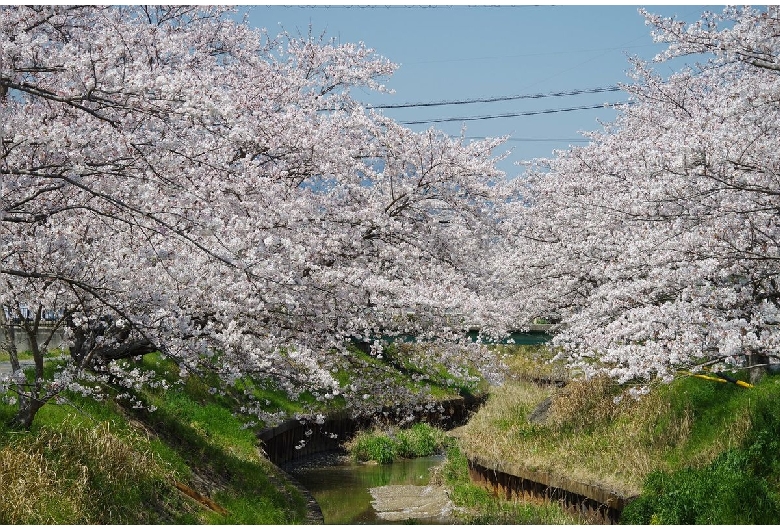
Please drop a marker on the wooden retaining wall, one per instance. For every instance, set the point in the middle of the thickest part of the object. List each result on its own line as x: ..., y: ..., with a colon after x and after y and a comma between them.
x: 595, y: 503
x: 295, y: 439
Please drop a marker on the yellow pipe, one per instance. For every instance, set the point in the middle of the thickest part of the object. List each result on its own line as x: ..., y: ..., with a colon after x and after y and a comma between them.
x: 720, y: 380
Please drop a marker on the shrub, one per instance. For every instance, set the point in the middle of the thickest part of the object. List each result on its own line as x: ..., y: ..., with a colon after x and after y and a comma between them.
x: 373, y: 446
x: 420, y: 440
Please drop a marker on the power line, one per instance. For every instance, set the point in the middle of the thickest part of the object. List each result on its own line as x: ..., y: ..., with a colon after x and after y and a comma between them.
x: 500, y: 98
x: 388, y: 6
x: 522, y: 55
x: 512, y: 114
x: 519, y: 139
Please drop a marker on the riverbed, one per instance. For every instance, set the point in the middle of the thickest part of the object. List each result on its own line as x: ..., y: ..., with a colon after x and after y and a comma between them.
x: 352, y: 493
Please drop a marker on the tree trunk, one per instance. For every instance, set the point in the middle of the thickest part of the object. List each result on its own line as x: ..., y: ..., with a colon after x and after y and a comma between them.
x: 9, y: 346
x: 760, y: 363
x: 32, y: 397
x: 28, y: 408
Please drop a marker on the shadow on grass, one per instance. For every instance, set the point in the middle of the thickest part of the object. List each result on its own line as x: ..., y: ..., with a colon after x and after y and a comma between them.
x: 252, y: 492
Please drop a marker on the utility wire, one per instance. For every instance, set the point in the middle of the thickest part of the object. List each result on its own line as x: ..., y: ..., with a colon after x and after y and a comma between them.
x: 523, y: 139
x: 512, y: 114
x: 499, y: 98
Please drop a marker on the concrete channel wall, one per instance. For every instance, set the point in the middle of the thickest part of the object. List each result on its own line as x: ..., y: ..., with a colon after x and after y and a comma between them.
x: 22, y: 341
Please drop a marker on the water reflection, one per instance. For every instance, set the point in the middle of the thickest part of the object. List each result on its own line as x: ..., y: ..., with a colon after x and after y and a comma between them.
x: 341, y: 488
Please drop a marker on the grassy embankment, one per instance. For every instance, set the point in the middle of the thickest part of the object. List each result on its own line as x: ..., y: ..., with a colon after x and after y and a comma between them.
x: 702, y: 452
x: 88, y: 462
x: 699, y: 451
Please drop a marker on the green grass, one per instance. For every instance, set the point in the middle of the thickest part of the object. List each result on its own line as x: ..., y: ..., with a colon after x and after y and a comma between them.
x: 740, y: 486
x: 78, y: 468
x: 725, y: 492
x: 388, y: 445
x: 27, y: 355
x: 201, y: 427
x: 403, y: 367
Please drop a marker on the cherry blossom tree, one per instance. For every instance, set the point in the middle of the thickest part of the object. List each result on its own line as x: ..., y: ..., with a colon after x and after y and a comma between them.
x: 656, y: 245
x: 175, y: 181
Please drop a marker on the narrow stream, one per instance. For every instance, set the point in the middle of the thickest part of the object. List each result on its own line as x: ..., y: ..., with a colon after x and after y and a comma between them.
x: 341, y: 487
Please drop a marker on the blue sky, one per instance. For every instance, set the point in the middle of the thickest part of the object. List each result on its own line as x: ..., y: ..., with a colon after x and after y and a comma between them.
x: 469, y: 52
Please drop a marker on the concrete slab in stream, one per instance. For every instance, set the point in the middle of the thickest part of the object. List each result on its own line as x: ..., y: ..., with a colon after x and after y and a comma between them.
x: 403, y: 502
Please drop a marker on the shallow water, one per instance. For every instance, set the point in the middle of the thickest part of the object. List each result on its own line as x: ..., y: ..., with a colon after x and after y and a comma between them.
x: 341, y: 488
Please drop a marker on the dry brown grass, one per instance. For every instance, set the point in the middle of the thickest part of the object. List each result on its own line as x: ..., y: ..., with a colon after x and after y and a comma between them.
x: 535, y: 362
x: 500, y: 430
x: 72, y: 475
x: 565, y: 444
x: 584, y: 403
x: 32, y: 490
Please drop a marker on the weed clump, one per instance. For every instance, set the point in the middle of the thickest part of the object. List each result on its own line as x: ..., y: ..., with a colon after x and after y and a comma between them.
x: 724, y: 492
x: 584, y: 404
x: 385, y: 447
